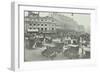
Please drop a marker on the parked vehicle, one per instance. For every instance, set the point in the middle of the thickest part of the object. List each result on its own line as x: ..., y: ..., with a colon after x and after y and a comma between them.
x: 49, y: 52
x: 71, y: 52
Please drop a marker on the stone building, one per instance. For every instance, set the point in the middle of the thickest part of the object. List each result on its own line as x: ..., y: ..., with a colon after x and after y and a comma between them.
x: 33, y: 22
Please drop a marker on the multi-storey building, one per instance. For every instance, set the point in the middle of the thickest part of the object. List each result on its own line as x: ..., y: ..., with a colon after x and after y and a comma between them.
x: 34, y: 23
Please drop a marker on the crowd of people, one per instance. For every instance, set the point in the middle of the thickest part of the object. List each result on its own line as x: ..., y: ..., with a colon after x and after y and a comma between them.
x: 70, y: 44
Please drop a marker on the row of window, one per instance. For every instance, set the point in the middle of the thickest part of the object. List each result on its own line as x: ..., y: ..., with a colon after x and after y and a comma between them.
x: 38, y: 20
x: 47, y: 20
x: 41, y: 29
x: 39, y: 24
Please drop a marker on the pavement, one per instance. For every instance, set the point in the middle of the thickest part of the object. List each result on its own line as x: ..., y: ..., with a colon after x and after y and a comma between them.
x: 35, y: 55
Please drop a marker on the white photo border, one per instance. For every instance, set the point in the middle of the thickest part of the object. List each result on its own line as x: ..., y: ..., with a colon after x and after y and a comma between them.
x: 18, y: 37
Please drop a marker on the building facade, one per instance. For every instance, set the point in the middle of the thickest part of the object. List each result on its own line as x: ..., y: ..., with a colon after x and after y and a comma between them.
x: 34, y: 23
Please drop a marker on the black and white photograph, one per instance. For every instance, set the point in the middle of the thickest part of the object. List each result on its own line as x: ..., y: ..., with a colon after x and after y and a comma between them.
x: 56, y: 36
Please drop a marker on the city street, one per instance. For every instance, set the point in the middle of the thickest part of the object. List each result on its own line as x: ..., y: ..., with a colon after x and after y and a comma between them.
x: 35, y: 55
x: 55, y: 36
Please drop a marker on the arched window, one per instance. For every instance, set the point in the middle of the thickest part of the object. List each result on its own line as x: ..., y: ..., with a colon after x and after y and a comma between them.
x: 45, y: 29
x: 45, y: 24
x: 42, y: 29
x: 41, y: 19
x: 52, y: 28
x: 41, y: 24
